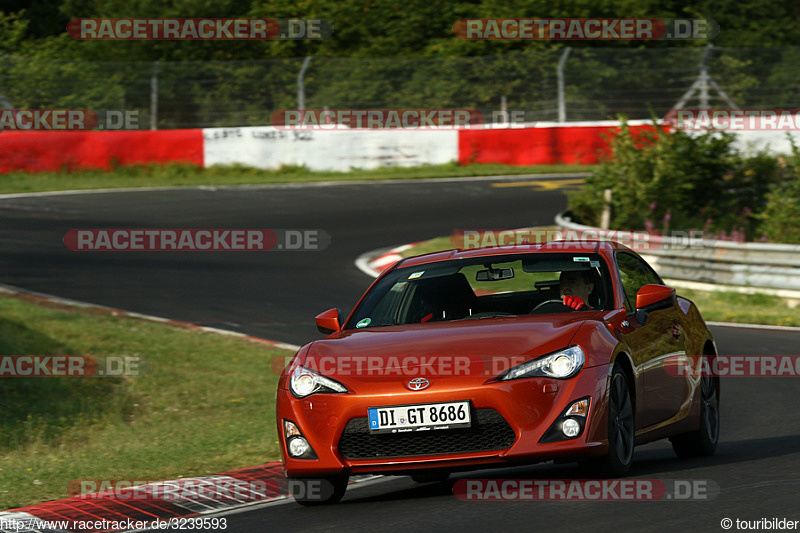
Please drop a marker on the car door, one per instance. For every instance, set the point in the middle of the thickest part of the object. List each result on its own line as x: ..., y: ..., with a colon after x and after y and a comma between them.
x: 653, y: 342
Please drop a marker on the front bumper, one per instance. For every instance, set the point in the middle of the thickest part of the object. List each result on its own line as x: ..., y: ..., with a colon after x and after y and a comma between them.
x: 510, y: 419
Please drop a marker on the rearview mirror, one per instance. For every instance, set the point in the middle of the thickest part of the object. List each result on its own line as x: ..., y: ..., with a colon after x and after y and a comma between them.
x: 495, y: 274
x: 328, y: 321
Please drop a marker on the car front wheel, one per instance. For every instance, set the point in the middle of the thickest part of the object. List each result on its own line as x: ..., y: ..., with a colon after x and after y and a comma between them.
x: 617, y: 460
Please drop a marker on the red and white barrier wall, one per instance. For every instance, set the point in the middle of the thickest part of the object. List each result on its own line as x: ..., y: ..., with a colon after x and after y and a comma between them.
x: 268, y: 147
x: 338, y: 150
x: 38, y: 151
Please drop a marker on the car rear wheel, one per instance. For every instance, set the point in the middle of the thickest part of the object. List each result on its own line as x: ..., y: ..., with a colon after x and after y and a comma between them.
x: 617, y: 460
x: 318, y: 491
x: 702, y: 442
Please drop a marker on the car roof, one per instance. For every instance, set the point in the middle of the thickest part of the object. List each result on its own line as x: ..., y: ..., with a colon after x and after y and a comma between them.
x: 603, y: 247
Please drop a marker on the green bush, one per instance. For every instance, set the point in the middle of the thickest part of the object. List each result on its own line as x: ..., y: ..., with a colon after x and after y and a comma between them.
x: 673, y: 180
x: 780, y: 220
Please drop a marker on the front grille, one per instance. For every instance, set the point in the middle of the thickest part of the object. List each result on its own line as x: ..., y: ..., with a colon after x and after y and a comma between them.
x: 489, y: 431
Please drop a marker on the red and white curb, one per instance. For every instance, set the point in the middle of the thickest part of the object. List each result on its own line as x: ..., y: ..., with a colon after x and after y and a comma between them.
x: 212, y: 496
x: 374, y: 262
x: 121, y: 506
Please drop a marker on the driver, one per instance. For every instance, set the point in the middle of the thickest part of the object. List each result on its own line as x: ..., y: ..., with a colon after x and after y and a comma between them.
x: 575, y: 287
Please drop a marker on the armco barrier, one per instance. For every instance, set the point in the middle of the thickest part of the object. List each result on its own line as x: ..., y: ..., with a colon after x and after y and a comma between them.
x: 38, y: 151
x: 755, y: 265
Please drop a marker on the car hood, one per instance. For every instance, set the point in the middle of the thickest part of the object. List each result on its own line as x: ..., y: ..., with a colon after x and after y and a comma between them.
x: 486, y: 346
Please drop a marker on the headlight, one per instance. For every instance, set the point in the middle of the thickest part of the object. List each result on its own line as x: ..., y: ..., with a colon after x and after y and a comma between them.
x: 562, y: 365
x: 305, y: 382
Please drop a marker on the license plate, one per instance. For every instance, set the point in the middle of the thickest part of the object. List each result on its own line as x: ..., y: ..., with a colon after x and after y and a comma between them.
x: 421, y: 417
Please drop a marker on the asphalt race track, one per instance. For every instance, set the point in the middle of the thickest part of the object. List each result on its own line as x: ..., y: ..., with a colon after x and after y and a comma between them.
x: 275, y: 295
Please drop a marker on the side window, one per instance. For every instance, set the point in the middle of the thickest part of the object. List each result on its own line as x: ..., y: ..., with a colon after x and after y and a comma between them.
x: 651, y: 276
x: 634, y: 274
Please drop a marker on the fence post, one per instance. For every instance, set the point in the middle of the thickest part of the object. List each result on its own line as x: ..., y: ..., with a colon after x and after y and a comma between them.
x: 154, y: 98
x: 605, y: 220
x: 301, y: 87
x: 562, y: 105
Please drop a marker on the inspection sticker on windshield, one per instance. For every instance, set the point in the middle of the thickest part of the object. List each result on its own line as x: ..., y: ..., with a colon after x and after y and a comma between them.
x: 581, y: 259
x: 363, y: 323
x: 416, y: 275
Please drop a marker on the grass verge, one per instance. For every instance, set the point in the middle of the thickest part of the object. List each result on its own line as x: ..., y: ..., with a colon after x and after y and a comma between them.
x: 206, y: 404
x: 725, y: 306
x: 184, y: 175
x: 715, y: 306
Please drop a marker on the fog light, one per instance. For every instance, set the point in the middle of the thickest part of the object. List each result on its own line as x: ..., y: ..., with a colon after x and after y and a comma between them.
x: 298, y: 446
x: 570, y: 427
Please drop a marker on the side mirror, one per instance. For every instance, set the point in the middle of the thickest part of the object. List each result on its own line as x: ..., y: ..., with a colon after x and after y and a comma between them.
x: 654, y: 294
x: 328, y: 321
x: 652, y: 297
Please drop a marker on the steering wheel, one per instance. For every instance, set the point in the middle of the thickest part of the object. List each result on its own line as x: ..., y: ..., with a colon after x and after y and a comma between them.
x: 556, y: 304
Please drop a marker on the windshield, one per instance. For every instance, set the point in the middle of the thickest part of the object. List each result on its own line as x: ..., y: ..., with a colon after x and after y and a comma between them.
x: 485, y: 287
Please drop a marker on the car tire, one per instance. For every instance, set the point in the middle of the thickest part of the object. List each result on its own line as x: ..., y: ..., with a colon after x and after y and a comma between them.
x: 621, y: 433
x: 318, y: 491
x: 703, y: 441
x: 430, y: 477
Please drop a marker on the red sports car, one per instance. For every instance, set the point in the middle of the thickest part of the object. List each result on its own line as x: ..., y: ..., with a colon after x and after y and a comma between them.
x: 470, y: 359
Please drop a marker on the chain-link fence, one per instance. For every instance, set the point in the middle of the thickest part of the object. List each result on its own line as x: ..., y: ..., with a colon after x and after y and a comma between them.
x: 596, y: 84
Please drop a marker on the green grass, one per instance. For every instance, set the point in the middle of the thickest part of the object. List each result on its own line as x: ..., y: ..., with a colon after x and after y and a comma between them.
x: 206, y: 404
x: 744, y: 308
x: 183, y: 175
